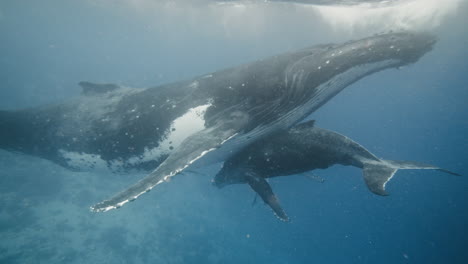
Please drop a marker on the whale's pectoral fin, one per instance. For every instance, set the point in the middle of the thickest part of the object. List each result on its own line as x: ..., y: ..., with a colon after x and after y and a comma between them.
x: 190, y: 150
x: 90, y: 88
x: 261, y: 186
x: 377, y: 176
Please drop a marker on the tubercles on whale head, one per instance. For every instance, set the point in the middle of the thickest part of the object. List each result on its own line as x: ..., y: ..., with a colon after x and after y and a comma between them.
x: 408, y: 47
x: 357, y: 58
x: 405, y: 47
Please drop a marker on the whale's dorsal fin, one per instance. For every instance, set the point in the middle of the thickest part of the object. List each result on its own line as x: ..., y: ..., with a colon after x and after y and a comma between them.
x: 261, y: 186
x: 90, y: 88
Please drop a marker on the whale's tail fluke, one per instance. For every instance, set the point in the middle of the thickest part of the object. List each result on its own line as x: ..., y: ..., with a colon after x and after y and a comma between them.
x: 377, y: 174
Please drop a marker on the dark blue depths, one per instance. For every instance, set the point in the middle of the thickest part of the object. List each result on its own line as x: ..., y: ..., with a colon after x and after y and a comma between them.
x: 416, y: 113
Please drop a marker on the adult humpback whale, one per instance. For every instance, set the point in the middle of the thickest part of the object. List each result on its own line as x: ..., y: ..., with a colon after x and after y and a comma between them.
x: 213, y: 116
x: 305, y: 148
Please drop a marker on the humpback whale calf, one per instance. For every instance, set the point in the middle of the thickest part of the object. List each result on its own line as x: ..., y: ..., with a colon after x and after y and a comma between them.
x: 170, y: 128
x: 305, y: 148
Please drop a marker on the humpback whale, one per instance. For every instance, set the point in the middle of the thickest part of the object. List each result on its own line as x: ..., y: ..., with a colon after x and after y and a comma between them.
x: 169, y: 128
x: 303, y: 148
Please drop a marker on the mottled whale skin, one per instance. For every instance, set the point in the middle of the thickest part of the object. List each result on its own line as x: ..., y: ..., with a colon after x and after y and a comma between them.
x: 226, y: 110
x: 305, y: 148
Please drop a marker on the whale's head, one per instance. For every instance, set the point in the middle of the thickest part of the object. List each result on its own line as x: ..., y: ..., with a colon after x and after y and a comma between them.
x: 401, y: 47
x: 317, y: 74
x: 407, y: 47
x: 345, y: 63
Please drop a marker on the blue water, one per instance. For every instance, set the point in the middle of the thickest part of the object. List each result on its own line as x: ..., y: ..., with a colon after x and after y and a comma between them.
x: 416, y: 113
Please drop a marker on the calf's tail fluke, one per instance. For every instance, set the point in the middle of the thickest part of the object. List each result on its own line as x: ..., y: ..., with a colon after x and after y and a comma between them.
x: 377, y: 174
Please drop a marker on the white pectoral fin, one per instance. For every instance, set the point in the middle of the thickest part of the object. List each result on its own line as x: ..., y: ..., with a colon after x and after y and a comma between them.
x: 191, y: 149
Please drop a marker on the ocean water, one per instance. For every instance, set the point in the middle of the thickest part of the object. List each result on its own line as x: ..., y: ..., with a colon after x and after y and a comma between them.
x: 419, y: 113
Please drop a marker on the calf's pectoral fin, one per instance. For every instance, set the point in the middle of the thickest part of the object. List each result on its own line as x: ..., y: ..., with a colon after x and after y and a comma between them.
x: 261, y: 186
